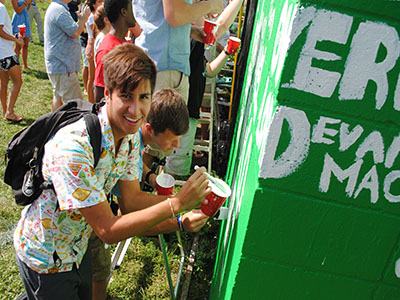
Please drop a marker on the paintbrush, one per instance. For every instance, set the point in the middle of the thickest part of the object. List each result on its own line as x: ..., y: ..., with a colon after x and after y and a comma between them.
x: 213, y: 180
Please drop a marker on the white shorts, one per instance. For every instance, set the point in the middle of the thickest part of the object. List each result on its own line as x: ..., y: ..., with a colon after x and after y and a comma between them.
x: 66, y: 86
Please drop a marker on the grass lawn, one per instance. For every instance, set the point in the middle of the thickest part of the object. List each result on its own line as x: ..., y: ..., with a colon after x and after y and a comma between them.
x: 142, y: 274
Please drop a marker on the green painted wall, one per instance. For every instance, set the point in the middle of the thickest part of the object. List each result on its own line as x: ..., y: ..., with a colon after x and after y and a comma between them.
x: 315, y: 162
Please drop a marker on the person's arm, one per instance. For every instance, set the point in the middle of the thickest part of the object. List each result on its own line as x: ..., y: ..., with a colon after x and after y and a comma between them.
x: 8, y: 37
x: 111, y: 229
x: 178, y: 12
x: 82, y: 18
x: 228, y: 15
x: 214, y: 67
x: 152, y: 176
x: 133, y: 199
x: 191, y: 221
x: 19, y: 9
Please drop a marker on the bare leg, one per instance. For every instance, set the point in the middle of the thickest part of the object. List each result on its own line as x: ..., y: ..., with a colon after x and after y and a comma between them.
x: 25, y: 53
x: 90, y: 82
x: 15, y: 74
x: 56, y: 103
x: 99, y: 288
x: 85, y: 74
x: 3, y: 90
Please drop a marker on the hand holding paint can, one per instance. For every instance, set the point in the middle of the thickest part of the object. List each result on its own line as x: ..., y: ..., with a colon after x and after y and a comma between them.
x: 219, y: 192
x: 210, y: 28
x: 233, y: 45
x: 22, y: 30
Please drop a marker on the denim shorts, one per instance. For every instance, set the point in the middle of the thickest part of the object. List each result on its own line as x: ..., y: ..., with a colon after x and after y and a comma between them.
x: 9, y: 62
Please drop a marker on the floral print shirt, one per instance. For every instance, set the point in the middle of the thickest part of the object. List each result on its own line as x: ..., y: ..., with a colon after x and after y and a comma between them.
x: 68, y: 164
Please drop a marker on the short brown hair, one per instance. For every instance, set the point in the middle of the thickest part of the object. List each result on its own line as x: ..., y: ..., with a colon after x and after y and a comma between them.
x: 168, y: 111
x: 99, y: 16
x: 125, y: 66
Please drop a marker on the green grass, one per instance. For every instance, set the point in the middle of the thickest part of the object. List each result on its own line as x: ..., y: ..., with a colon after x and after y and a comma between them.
x: 142, y: 274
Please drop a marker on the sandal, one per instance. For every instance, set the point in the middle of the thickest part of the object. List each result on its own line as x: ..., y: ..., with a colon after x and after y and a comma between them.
x: 15, y: 119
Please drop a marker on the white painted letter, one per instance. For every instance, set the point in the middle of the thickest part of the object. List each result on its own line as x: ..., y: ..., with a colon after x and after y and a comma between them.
x: 347, y: 139
x: 297, y: 150
x: 370, y: 181
x: 320, y: 130
x: 331, y: 167
x: 326, y: 26
x: 374, y: 143
x: 392, y: 152
x: 390, y: 178
x: 361, y: 65
x: 396, y: 104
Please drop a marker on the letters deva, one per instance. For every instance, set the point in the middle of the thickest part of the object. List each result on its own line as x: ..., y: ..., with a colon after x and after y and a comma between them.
x: 361, y: 66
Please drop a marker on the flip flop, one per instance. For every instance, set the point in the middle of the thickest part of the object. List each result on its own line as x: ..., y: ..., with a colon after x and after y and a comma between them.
x: 14, y: 120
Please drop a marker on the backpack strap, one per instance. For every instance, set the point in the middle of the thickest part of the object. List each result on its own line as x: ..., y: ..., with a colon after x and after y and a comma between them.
x: 94, y: 131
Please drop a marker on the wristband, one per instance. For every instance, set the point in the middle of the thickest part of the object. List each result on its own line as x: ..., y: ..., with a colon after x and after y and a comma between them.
x: 171, y: 207
x: 226, y: 52
x: 146, y: 179
x: 180, y: 225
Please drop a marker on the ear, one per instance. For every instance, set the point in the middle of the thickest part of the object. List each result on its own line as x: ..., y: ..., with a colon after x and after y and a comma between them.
x: 148, y: 128
x: 107, y: 94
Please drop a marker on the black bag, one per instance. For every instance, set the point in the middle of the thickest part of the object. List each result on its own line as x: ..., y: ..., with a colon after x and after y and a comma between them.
x: 25, y: 151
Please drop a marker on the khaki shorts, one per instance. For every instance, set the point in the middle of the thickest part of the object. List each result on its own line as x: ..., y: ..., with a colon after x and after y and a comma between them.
x: 66, y: 86
x: 175, y: 80
x: 101, y: 258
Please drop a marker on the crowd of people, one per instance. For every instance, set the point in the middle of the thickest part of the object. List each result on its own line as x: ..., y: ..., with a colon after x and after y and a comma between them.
x: 146, y: 60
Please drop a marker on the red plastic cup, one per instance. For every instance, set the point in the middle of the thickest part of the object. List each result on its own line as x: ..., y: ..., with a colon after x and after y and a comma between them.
x: 233, y: 45
x: 210, y: 28
x: 22, y: 29
x: 165, y: 184
x: 216, y: 198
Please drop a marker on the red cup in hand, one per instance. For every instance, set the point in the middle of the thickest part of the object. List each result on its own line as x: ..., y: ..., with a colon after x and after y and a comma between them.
x: 217, y: 197
x: 22, y: 29
x: 210, y: 28
x: 233, y: 45
x: 165, y: 184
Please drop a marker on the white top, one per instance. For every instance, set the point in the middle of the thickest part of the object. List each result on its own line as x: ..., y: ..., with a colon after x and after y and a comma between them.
x: 89, y: 23
x: 97, y: 42
x: 6, y: 46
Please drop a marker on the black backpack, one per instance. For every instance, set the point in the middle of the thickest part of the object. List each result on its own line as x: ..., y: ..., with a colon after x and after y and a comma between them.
x: 25, y: 151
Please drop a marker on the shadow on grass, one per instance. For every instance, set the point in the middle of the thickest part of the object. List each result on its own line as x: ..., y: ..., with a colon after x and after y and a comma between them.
x: 38, y: 74
x: 24, y: 123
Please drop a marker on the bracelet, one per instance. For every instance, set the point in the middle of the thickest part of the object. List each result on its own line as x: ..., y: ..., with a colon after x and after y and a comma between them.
x: 171, y: 207
x: 180, y: 225
x: 226, y: 52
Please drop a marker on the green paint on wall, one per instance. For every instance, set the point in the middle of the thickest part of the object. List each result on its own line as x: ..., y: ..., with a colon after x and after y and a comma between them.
x: 314, y: 167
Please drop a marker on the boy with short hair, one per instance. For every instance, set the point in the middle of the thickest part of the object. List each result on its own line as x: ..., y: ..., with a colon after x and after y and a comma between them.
x: 51, y: 239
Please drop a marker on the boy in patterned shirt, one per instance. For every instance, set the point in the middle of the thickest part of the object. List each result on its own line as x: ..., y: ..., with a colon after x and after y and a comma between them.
x: 51, y: 240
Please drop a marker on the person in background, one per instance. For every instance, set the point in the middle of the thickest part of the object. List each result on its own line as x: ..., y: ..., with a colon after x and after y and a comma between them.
x: 21, y: 17
x: 201, y: 69
x: 168, y: 44
x: 120, y: 15
x: 89, y: 51
x: 62, y: 52
x: 34, y: 14
x: 103, y: 25
x: 9, y: 66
